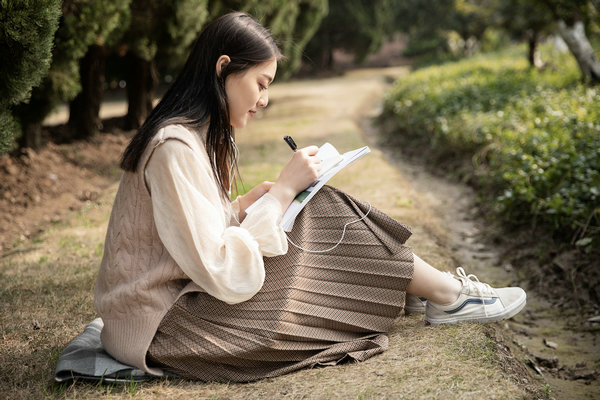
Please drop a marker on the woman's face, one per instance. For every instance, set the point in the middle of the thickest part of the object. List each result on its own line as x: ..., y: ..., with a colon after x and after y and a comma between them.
x: 249, y: 90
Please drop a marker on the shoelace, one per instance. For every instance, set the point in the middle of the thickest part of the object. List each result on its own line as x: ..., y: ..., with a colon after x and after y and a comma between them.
x: 473, y: 282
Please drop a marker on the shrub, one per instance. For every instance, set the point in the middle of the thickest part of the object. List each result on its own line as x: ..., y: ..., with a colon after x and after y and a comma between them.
x: 534, y: 136
x: 26, y: 35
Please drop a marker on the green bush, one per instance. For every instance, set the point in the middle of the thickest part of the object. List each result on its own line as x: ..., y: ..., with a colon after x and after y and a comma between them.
x: 533, y: 137
x: 26, y: 35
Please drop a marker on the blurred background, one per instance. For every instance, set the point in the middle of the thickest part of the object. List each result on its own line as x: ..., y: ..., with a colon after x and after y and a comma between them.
x: 75, y: 51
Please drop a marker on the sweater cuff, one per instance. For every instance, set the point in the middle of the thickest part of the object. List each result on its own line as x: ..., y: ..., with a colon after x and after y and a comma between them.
x: 263, y: 224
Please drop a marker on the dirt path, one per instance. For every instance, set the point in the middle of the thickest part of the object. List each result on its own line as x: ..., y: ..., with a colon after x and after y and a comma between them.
x: 48, y: 281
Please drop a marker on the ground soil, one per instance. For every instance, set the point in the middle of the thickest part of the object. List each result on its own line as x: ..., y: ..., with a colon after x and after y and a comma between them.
x: 47, y: 191
x: 38, y: 188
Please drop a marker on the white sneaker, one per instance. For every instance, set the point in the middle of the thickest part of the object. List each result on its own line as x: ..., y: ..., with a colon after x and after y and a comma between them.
x: 477, y: 302
x: 415, y: 304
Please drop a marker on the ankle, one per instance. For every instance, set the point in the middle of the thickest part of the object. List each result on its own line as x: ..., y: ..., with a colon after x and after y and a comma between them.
x: 448, y: 294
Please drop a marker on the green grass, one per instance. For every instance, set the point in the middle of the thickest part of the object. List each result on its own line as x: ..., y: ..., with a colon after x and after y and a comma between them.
x: 531, y: 138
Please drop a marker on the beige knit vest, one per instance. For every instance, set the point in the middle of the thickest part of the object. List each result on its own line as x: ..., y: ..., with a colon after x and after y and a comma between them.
x: 138, y: 280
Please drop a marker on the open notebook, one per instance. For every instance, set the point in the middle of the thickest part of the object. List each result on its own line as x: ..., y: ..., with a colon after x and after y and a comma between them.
x: 332, y: 162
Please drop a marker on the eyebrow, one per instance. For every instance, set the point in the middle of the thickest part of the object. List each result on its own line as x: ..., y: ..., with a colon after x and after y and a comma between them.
x: 269, y: 77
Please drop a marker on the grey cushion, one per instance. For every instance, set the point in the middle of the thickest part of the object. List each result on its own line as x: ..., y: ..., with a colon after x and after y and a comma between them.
x: 85, y: 358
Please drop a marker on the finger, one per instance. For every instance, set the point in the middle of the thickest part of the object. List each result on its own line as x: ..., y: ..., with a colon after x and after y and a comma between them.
x: 310, y: 150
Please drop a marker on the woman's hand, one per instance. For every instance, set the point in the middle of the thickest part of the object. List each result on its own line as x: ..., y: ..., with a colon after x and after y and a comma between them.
x: 299, y: 173
x: 249, y: 198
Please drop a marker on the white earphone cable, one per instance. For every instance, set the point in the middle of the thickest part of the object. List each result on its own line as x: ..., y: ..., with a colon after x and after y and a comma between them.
x: 338, y: 243
x: 236, y: 154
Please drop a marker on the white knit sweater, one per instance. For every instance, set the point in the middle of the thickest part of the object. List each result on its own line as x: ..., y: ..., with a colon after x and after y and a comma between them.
x: 172, y: 232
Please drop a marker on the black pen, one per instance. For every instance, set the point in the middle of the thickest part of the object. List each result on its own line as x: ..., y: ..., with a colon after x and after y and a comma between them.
x: 290, y: 142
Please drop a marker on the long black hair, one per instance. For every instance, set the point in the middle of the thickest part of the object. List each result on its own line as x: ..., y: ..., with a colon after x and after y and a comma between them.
x: 198, y: 95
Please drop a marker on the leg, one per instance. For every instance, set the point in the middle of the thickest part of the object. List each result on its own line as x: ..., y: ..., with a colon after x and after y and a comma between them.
x: 433, y: 284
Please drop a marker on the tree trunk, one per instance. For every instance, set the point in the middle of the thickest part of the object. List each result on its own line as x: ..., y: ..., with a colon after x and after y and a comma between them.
x: 579, y: 45
x: 534, y: 55
x: 141, y: 82
x: 84, y: 112
x: 31, y: 136
x: 31, y: 117
x: 328, y: 58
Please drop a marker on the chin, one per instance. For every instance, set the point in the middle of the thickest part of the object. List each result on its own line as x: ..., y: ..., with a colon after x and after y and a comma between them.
x: 239, y: 124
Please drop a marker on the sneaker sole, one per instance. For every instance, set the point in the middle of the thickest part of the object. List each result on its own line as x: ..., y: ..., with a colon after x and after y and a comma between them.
x: 506, y: 314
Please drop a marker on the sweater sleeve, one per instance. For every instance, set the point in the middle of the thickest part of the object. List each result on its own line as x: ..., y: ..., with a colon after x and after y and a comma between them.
x: 226, y: 261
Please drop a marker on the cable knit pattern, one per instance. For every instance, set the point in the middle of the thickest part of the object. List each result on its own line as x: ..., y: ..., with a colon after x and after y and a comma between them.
x: 178, y: 240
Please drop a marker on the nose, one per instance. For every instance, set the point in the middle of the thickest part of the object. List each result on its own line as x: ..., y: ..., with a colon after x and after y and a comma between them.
x: 263, y: 100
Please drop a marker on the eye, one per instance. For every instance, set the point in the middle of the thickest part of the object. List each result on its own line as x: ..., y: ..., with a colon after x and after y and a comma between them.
x: 261, y: 86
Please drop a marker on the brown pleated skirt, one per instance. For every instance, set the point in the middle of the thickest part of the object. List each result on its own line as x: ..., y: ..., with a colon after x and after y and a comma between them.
x: 314, y: 308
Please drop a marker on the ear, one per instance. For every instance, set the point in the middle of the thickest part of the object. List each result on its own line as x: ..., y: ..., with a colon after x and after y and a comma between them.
x: 222, y: 63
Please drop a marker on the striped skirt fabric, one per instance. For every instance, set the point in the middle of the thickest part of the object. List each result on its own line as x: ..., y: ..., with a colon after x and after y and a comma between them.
x: 315, y: 308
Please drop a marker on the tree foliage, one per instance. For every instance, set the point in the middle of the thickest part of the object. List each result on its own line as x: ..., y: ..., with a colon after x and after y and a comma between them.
x: 426, y: 22
x: 26, y: 34
x: 82, y: 23
x: 431, y: 26
x: 471, y: 18
x: 159, y: 36
x: 84, y: 109
x: 164, y: 27
x: 358, y: 27
x: 293, y: 23
x: 154, y: 38
x: 529, y: 21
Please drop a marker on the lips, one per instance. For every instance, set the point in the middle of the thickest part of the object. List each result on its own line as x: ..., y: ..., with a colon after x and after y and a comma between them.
x: 252, y: 112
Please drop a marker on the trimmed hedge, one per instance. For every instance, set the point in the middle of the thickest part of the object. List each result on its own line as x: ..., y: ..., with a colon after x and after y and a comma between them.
x: 533, y: 137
